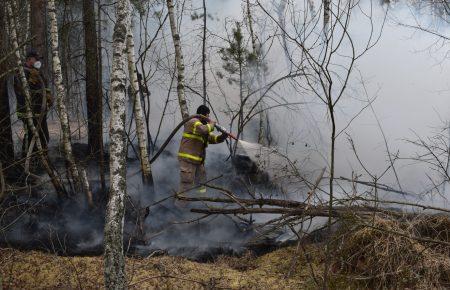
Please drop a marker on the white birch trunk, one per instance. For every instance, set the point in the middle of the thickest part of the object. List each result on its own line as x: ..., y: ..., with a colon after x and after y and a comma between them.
x: 179, y: 61
x: 29, y: 115
x: 77, y: 173
x: 114, y: 258
x: 138, y: 113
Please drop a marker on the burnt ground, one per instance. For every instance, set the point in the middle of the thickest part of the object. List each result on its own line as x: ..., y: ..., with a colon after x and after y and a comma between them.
x: 33, y: 218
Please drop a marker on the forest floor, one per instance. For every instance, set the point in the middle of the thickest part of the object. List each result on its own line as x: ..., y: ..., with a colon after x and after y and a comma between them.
x: 284, y: 268
x: 387, y: 254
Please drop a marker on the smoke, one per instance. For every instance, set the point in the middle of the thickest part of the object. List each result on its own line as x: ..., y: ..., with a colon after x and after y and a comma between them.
x: 412, y: 96
x: 73, y: 229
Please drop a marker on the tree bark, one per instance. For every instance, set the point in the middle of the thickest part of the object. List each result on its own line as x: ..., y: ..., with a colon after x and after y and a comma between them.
x: 179, y: 61
x: 38, y: 30
x: 27, y: 22
x: 326, y: 14
x: 100, y: 88
x: 77, y: 173
x: 262, y: 132
x: 29, y: 115
x: 138, y: 113
x: 204, y: 53
x: 329, y: 245
x: 240, y: 58
x: 93, y: 87
x: 114, y: 258
x: 6, y: 142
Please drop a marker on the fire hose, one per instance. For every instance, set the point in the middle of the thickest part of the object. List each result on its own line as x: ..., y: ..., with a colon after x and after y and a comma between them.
x: 174, y: 131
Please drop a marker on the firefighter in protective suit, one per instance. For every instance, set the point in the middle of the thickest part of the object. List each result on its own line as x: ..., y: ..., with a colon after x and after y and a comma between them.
x: 41, y: 100
x: 191, y: 155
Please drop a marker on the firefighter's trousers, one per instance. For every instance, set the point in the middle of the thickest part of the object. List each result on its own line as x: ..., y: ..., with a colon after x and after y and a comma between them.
x: 191, y: 175
x: 44, y: 135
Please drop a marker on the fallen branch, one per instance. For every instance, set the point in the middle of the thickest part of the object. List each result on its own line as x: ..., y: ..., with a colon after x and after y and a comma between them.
x: 422, y: 206
x: 274, y: 210
x: 259, y: 201
x: 378, y: 186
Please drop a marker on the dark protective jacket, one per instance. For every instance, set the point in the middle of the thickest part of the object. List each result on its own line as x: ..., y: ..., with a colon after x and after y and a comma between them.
x: 196, y: 137
x: 38, y: 89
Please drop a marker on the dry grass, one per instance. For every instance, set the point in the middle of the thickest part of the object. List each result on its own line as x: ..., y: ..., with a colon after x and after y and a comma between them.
x: 382, y: 254
x: 375, y: 253
x: 31, y: 270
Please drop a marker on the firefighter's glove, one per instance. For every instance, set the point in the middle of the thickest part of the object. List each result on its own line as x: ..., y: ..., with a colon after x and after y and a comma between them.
x: 222, y: 137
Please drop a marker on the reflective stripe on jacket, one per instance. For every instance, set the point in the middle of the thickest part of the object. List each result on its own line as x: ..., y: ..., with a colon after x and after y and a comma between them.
x: 196, y: 137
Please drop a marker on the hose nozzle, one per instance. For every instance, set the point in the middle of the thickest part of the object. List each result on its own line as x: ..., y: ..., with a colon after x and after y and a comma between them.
x: 224, y: 131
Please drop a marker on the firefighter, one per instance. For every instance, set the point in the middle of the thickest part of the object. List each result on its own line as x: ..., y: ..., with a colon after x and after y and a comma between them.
x: 41, y: 100
x: 191, y: 155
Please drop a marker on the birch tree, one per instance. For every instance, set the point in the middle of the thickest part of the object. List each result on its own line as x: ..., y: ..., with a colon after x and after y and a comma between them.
x: 114, y: 258
x: 178, y: 60
x: 29, y: 115
x: 137, y: 107
x: 77, y: 172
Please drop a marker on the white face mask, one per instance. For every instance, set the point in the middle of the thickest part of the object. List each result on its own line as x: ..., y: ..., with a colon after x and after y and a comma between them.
x: 37, y: 64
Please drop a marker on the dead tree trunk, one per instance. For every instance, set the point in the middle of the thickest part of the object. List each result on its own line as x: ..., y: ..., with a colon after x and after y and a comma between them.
x: 6, y: 142
x: 138, y: 113
x: 93, y: 88
x: 77, y: 173
x: 114, y: 258
x: 179, y: 61
x: 29, y: 115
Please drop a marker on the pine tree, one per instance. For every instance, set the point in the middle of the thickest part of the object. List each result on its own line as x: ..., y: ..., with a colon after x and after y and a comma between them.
x: 239, y: 64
